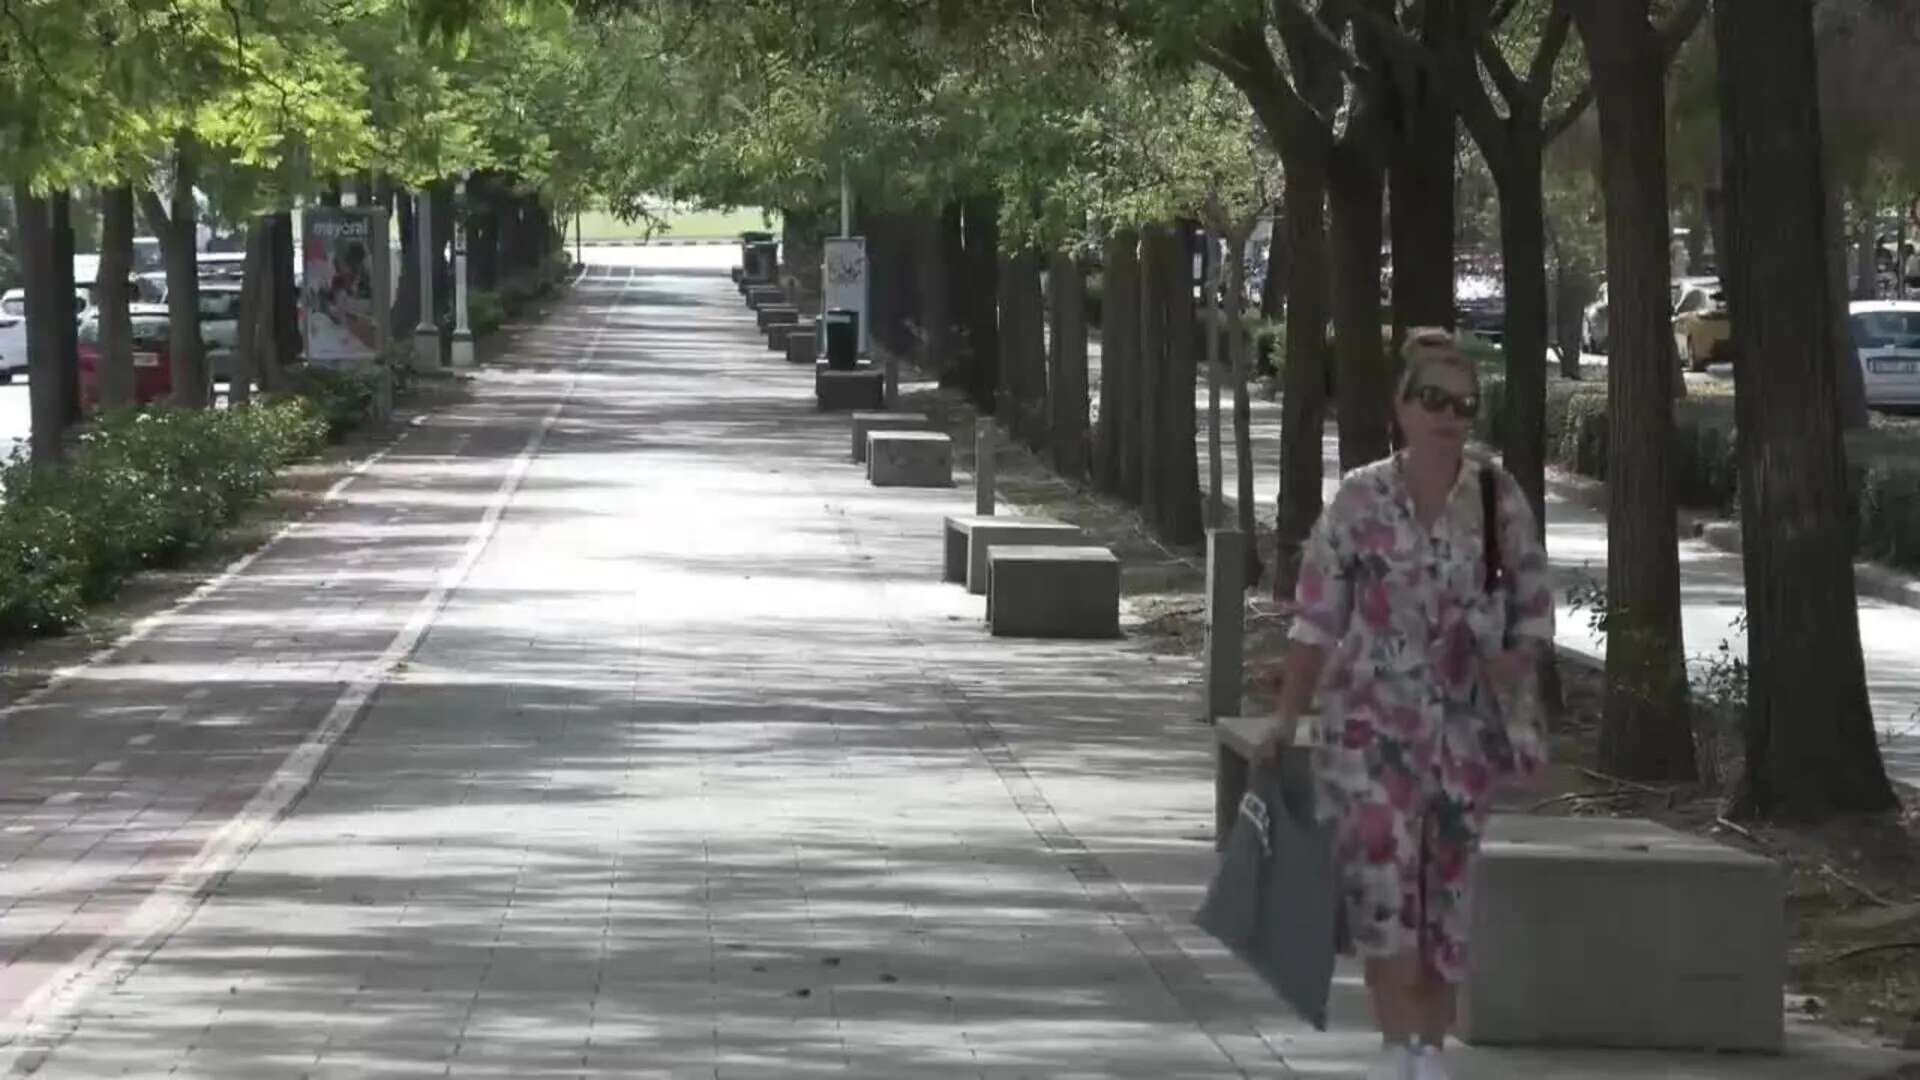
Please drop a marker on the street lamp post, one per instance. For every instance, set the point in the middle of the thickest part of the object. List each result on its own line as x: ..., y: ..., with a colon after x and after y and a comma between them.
x: 462, y: 333
x: 426, y: 336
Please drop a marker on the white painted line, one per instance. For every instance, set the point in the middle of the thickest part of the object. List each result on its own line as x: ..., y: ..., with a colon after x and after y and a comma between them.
x: 199, y: 693
x: 140, y: 740
x: 61, y: 799
x: 106, y: 767
x: 38, y: 1024
x: 173, y: 714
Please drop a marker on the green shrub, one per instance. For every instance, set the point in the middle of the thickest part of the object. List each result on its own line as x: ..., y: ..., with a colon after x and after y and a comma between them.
x: 347, y: 399
x: 1884, y: 485
x: 141, y: 489
x: 485, y: 312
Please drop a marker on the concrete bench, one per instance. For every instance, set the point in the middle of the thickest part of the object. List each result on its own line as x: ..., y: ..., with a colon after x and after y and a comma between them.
x: 910, y: 459
x: 803, y: 347
x: 1053, y: 592
x: 866, y: 423
x: 769, y: 315
x: 759, y: 296
x: 861, y: 388
x: 778, y: 334
x: 969, y: 537
x: 1622, y: 933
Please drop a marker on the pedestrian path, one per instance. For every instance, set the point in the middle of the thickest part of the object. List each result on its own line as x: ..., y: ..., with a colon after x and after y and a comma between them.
x: 665, y: 754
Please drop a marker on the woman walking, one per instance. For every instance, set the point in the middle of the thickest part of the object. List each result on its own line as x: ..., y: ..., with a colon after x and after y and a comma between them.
x: 1422, y: 592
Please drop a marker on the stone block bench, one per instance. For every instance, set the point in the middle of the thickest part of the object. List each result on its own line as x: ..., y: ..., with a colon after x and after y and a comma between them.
x: 803, y: 347
x: 969, y: 537
x: 1053, y: 592
x: 1622, y: 933
x: 861, y: 388
x: 910, y: 459
x: 770, y: 315
x: 778, y: 334
x: 866, y: 423
x: 759, y: 296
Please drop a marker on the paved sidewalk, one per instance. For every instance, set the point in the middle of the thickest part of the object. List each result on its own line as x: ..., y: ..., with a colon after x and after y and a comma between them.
x: 677, y: 761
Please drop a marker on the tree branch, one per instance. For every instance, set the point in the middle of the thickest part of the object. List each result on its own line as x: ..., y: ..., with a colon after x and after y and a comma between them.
x: 1673, y: 35
x: 1553, y: 42
x: 1497, y: 67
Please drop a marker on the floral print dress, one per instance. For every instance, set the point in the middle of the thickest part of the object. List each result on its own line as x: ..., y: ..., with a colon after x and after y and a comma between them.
x: 1411, y: 740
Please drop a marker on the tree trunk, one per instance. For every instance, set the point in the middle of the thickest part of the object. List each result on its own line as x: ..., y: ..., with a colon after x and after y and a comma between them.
x: 33, y: 223
x: 1810, y: 745
x: 1356, y: 189
x: 1023, y: 351
x: 1158, y: 246
x: 1853, y: 386
x: 1303, y: 401
x: 1645, y: 733
x: 1067, y: 368
x: 112, y: 291
x: 1421, y: 178
x: 1120, y: 453
x: 892, y: 295
x: 441, y: 195
x: 1523, y: 256
x: 1573, y: 290
x: 483, y: 231
x: 938, y: 235
x: 255, y: 312
x: 67, y: 329
x: 1213, y: 314
x: 1273, y: 290
x: 406, y: 296
x: 1866, y: 268
x: 175, y: 228
x: 1238, y: 346
x: 285, y: 300
x: 981, y: 233
x: 803, y: 250
x: 1174, y: 455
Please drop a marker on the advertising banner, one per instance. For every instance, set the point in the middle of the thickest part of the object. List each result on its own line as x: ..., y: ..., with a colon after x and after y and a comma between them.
x: 343, y: 294
x: 845, y: 278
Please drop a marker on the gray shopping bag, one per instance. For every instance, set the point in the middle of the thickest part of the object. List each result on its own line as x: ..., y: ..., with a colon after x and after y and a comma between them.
x: 1273, y: 898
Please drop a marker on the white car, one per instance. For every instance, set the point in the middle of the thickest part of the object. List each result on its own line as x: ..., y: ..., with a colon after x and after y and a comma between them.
x: 1887, y: 335
x: 13, y: 328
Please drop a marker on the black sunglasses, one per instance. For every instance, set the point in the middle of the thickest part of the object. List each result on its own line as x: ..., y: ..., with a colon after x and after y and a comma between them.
x: 1435, y: 400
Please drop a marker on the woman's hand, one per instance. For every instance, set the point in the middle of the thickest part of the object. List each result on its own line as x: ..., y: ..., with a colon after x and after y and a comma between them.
x: 1282, y: 736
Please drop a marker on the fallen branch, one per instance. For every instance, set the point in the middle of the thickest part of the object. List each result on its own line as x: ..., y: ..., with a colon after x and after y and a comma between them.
x: 1885, y: 946
x: 1595, y: 774
x: 1741, y: 829
x: 1855, y: 886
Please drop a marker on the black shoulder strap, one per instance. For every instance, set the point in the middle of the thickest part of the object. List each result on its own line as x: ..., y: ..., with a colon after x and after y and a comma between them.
x: 1490, y: 525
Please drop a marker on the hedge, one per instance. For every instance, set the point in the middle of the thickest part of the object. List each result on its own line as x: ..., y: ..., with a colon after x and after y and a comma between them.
x: 140, y: 490
x: 1884, y: 462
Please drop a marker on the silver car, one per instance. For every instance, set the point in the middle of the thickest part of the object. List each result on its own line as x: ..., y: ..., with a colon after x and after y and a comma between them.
x: 1887, y: 334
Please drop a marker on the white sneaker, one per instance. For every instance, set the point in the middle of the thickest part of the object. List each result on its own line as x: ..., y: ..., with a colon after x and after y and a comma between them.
x: 1395, y: 1062
x: 1430, y: 1064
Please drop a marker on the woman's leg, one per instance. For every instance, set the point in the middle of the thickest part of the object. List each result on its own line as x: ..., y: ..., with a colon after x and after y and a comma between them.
x: 1395, y: 985
x: 1436, y: 1002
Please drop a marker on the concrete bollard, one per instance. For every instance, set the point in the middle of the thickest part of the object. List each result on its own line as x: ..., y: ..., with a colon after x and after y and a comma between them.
x: 983, y: 451
x: 1226, y: 628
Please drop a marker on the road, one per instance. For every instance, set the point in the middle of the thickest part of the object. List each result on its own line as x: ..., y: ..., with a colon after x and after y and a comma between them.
x: 16, y: 422
x: 611, y: 724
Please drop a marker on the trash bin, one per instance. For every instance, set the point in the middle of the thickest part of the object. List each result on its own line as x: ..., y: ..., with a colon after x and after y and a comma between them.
x: 843, y: 338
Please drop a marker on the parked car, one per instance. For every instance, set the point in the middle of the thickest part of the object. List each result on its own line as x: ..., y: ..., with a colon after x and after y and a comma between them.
x: 1481, y: 306
x: 1887, y: 335
x: 1593, y: 323
x: 13, y: 328
x: 1700, y: 323
x: 152, y: 357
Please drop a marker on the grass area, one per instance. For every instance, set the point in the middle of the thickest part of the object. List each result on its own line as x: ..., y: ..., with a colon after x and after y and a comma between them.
x: 678, y: 225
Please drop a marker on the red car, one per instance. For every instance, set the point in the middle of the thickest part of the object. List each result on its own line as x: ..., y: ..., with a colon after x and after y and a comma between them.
x: 152, y: 360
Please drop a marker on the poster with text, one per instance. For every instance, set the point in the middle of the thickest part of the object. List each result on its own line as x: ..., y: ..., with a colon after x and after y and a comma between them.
x: 343, y: 294
x: 845, y: 278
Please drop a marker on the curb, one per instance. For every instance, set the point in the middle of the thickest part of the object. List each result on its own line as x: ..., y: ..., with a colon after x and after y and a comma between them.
x: 1870, y: 580
x: 708, y: 242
